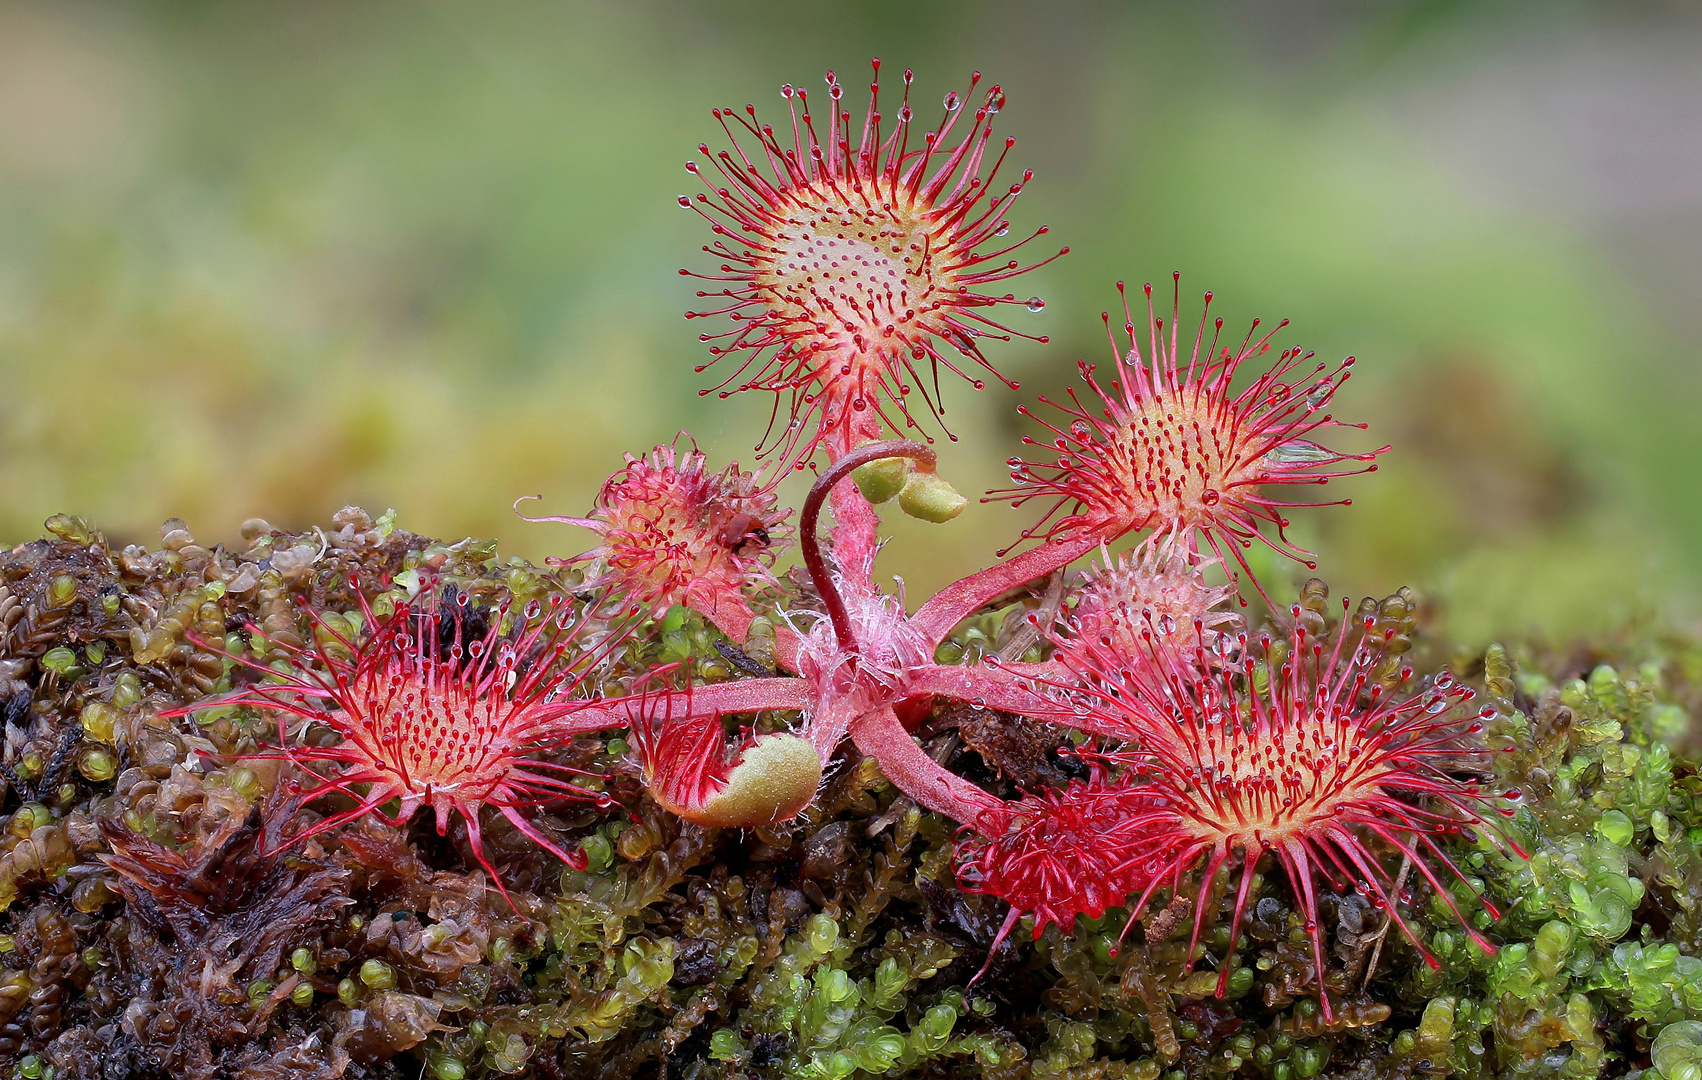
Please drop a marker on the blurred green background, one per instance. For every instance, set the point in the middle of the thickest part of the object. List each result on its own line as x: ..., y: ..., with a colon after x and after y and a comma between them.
x: 269, y: 259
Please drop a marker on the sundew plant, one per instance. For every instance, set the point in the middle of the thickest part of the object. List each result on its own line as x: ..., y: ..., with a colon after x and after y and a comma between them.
x: 357, y: 803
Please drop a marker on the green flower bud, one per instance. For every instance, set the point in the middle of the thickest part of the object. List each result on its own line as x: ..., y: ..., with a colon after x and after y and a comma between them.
x: 929, y: 497
x: 881, y: 480
x: 302, y: 994
x: 378, y: 975
x: 304, y: 961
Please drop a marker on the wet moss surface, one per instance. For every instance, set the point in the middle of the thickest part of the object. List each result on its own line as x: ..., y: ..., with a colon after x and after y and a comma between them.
x: 156, y: 923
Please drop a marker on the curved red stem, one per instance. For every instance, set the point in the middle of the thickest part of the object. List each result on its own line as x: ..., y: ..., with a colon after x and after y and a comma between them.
x: 810, y: 544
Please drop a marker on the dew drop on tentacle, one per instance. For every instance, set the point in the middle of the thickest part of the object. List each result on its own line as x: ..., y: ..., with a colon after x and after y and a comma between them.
x: 1299, y: 452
